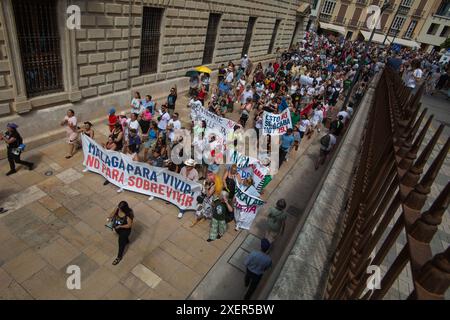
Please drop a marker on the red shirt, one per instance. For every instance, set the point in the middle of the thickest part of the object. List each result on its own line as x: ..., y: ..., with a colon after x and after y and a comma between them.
x: 112, y: 121
x: 275, y: 67
x: 201, y: 95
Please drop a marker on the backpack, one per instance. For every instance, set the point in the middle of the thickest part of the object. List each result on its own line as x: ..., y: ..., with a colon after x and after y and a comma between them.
x: 325, y: 140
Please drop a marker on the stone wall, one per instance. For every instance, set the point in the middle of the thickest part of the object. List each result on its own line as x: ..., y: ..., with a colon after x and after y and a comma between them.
x: 305, y: 270
x: 102, y: 59
x: 6, y: 86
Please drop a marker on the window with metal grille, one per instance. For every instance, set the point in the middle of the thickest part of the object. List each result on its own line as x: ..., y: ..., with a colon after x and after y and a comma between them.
x: 274, y: 36
x: 328, y: 7
x: 211, y: 34
x: 151, y: 28
x: 248, y: 35
x: 39, y: 43
x: 397, y: 24
x: 412, y: 26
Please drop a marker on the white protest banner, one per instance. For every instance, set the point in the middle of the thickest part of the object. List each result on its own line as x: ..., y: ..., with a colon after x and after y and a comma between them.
x: 246, y: 206
x: 276, y: 124
x: 249, y: 167
x: 215, y: 124
x: 140, y: 177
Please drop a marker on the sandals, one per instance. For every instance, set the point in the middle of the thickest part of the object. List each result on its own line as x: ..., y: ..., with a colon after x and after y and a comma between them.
x: 116, y: 261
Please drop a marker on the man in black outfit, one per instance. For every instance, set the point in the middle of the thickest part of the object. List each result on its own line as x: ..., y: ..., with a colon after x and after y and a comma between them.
x: 14, y: 140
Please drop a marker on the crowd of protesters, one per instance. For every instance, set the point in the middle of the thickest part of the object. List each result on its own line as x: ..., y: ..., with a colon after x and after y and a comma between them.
x: 310, y: 80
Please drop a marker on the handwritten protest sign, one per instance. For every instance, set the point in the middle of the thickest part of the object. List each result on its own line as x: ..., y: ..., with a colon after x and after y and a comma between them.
x: 215, y: 124
x: 246, y: 205
x: 122, y: 171
x: 249, y: 167
x: 276, y: 124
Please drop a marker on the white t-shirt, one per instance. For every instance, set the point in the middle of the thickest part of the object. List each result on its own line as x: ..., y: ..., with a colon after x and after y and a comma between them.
x: 133, y: 125
x: 136, y: 106
x: 303, y: 125
x: 176, y: 124
x: 229, y: 77
x: 318, y: 116
x: 165, y: 118
x: 412, y: 76
x: 245, y: 95
x: 332, y: 142
x: 345, y: 115
x: 194, y: 103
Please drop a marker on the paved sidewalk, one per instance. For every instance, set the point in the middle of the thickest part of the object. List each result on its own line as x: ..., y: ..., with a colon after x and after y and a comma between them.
x: 56, y: 218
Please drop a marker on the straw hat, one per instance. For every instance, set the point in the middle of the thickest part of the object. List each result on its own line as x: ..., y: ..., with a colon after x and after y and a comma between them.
x: 189, y: 162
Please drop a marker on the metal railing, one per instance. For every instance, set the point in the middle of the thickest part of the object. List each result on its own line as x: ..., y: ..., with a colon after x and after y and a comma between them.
x: 389, y: 187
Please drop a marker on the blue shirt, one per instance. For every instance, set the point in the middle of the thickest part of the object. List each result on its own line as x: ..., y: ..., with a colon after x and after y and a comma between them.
x: 283, y: 105
x: 149, y: 104
x: 258, y: 262
x: 287, y: 141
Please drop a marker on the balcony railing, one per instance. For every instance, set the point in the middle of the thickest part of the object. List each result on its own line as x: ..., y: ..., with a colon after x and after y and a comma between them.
x: 325, y: 17
x: 361, y: 2
x: 403, y: 10
x: 391, y: 8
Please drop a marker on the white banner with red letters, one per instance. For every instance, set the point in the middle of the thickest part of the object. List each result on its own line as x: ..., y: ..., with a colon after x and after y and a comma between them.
x: 122, y: 171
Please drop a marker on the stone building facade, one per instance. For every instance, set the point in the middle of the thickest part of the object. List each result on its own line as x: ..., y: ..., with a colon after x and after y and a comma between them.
x: 100, y: 64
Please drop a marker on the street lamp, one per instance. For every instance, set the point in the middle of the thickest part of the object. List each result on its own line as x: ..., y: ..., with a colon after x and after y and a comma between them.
x: 363, y: 58
x: 390, y: 27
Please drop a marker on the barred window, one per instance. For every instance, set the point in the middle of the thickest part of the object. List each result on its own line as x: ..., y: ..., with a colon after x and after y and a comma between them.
x: 211, y: 34
x: 274, y: 36
x: 248, y: 35
x: 39, y: 44
x: 151, y: 29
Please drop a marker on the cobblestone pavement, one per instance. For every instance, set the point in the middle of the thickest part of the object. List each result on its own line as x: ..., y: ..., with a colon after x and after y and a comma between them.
x: 56, y: 218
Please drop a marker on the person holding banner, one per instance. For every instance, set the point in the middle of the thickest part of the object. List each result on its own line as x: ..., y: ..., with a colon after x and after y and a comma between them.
x: 190, y: 173
x: 220, y: 208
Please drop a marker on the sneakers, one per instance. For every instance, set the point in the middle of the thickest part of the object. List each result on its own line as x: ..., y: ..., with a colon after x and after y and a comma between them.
x: 237, y: 228
x: 85, y: 170
x: 180, y: 215
x: 10, y: 172
x: 151, y: 198
x: 120, y: 190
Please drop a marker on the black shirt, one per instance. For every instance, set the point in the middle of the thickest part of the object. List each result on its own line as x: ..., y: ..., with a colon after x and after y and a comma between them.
x: 16, y: 142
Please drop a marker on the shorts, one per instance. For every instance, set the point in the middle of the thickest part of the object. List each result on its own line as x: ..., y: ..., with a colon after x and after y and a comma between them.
x: 72, y: 138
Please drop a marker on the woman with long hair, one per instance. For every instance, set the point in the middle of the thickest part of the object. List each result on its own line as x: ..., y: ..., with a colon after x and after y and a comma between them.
x: 121, y: 220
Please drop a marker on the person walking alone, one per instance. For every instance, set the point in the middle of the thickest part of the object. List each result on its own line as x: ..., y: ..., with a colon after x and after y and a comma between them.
x: 257, y: 262
x: 121, y: 220
x: 14, y: 141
